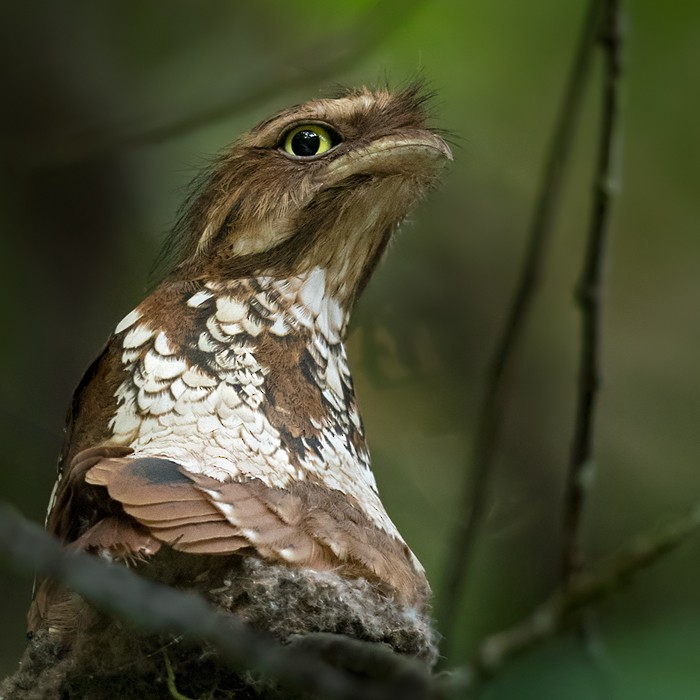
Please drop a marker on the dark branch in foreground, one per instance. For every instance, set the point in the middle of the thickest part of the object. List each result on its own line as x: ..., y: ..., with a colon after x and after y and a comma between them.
x: 475, y: 492
x: 155, y: 608
x: 589, y: 295
x: 583, y: 591
x: 313, y: 663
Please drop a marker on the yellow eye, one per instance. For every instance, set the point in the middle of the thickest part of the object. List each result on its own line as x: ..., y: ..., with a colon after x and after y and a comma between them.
x: 309, y: 140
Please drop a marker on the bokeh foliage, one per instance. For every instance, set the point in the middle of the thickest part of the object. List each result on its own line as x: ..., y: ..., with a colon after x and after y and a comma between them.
x: 87, y: 196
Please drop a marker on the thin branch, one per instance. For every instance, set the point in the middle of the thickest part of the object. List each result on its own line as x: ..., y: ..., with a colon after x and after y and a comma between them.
x: 589, y: 295
x: 156, y: 608
x: 319, y: 62
x: 583, y: 591
x: 475, y: 492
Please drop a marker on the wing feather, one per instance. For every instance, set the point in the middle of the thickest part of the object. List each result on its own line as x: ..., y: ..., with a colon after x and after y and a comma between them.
x: 305, y: 525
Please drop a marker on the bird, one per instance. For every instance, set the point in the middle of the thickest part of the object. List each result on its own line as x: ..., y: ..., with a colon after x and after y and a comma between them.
x: 220, y: 418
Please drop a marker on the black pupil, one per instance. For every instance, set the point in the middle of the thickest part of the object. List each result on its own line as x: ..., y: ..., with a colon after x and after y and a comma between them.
x: 306, y: 143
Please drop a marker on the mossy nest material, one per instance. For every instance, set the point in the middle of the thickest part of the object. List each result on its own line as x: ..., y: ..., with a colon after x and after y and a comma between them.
x: 103, y: 659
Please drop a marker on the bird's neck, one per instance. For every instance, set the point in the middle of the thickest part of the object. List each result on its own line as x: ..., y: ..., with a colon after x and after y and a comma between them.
x: 278, y: 344
x: 296, y: 305
x: 246, y: 378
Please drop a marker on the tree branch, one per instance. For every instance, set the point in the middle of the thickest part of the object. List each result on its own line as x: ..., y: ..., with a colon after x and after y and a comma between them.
x: 582, y: 591
x: 156, y: 608
x: 589, y: 295
x: 475, y: 492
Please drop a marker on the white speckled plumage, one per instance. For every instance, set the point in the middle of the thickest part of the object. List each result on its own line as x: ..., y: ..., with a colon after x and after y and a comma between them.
x: 212, y: 422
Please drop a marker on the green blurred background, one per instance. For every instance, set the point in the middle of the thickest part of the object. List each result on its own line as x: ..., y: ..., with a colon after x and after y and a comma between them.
x: 88, y: 192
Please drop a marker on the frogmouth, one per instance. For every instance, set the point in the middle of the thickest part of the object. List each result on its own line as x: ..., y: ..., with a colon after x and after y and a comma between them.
x: 220, y: 419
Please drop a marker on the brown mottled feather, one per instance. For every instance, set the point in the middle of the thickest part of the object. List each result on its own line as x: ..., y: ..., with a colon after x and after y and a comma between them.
x: 174, y: 510
x: 120, y: 535
x: 293, y: 402
x: 307, y: 525
x: 175, y: 519
x: 336, y: 528
x: 223, y: 545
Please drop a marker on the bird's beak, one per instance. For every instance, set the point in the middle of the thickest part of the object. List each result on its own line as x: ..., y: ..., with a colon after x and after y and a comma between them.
x: 416, y: 154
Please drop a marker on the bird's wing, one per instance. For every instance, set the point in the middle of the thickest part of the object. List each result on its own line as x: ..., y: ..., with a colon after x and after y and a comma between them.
x: 305, y: 525
x: 164, y: 498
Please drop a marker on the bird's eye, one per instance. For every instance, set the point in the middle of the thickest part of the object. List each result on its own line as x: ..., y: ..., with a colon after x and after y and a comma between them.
x: 309, y: 140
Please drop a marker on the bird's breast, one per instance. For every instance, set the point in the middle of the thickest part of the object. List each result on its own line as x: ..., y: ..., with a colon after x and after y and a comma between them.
x: 246, y: 379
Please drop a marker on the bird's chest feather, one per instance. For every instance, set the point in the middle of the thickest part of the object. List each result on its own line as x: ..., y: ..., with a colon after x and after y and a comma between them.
x: 246, y: 379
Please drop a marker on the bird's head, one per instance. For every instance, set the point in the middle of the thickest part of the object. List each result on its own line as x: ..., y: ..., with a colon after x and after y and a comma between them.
x: 323, y: 184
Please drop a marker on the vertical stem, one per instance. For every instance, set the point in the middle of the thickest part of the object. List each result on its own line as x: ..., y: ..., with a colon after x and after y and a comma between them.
x: 589, y: 295
x: 475, y: 491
